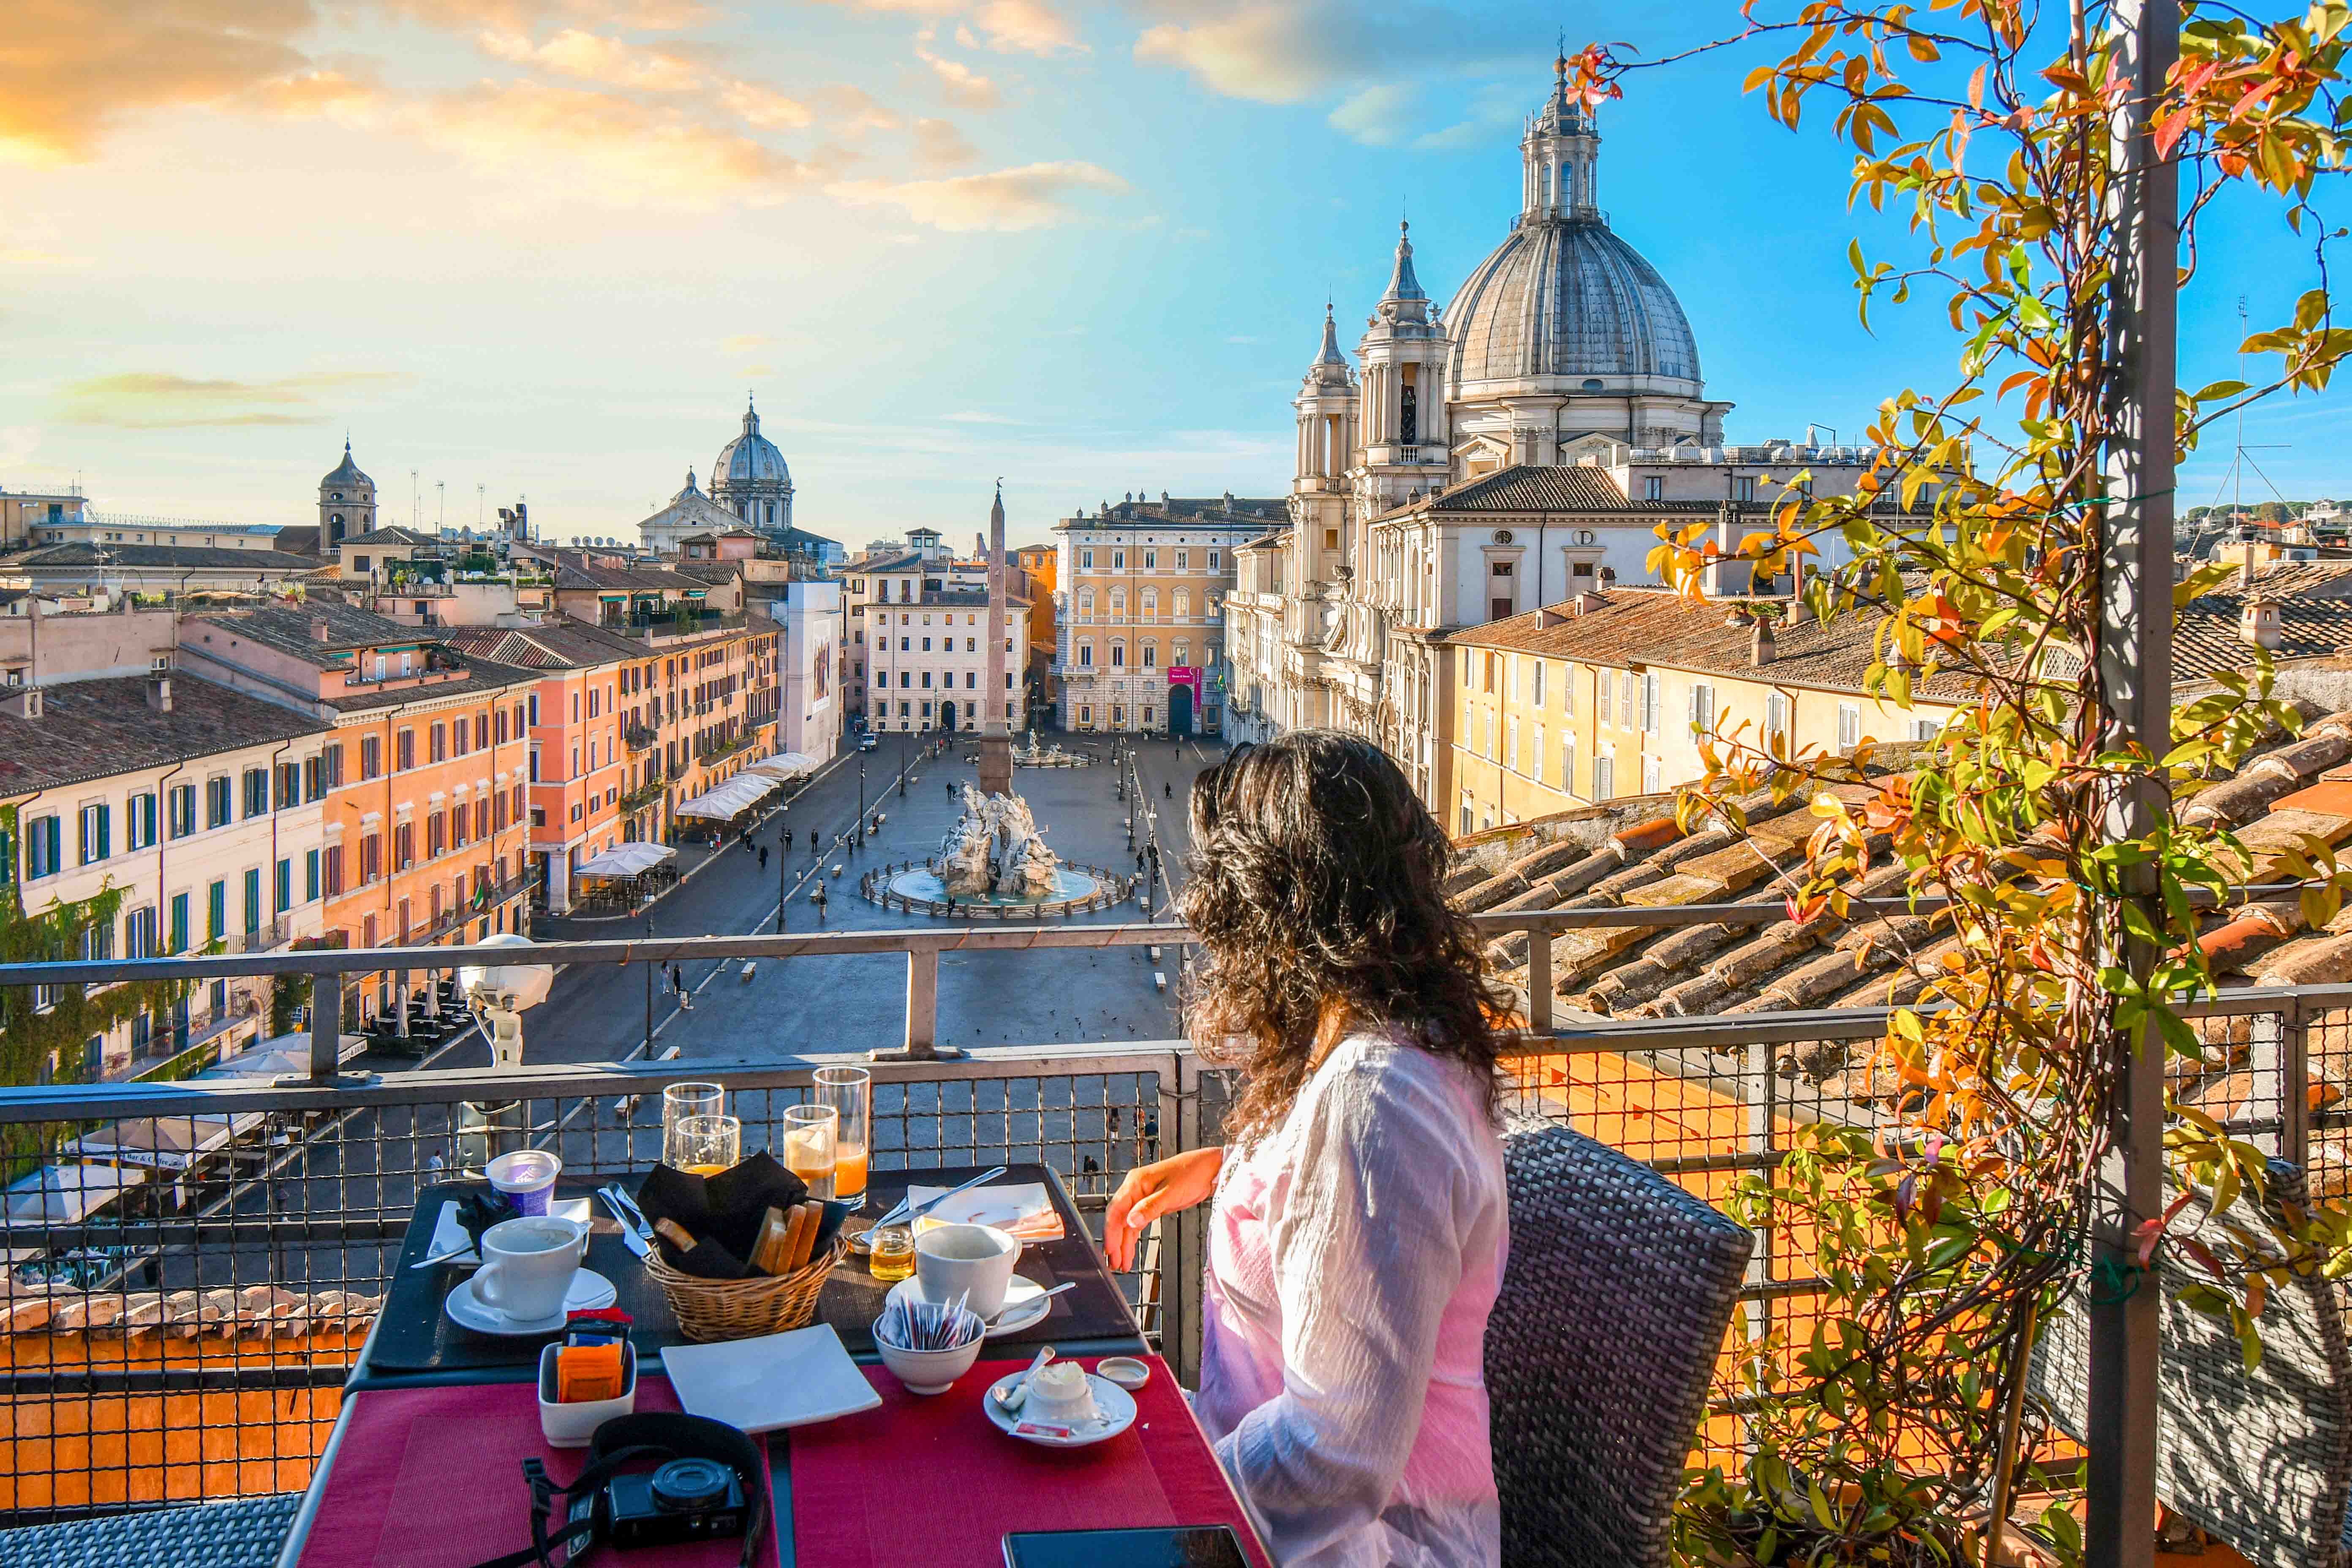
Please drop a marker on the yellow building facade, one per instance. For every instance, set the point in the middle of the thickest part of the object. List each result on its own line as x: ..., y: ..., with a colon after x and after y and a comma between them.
x: 1607, y: 696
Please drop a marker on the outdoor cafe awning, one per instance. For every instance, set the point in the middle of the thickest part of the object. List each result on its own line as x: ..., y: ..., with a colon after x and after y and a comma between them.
x: 67, y: 1195
x: 784, y: 766
x: 736, y: 796
x: 164, y: 1142
x: 626, y: 860
x: 287, y: 1055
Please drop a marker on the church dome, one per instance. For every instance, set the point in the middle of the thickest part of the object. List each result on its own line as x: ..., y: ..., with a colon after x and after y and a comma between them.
x: 1563, y: 298
x: 346, y: 472
x: 749, y: 459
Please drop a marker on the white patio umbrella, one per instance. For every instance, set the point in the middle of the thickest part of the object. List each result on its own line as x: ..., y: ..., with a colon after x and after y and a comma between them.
x: 67, y: 1195
x: 626, y: 860
x: 784, y: 766
x: 164, y: 1143
x: 281, y: 1056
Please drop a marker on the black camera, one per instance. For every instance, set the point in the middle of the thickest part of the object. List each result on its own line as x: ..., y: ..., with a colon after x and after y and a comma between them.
x: 685, y: 1499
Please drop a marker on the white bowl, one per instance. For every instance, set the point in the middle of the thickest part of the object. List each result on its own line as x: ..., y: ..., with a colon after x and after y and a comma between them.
x: 571, y: 1425
x: 930, y: 1372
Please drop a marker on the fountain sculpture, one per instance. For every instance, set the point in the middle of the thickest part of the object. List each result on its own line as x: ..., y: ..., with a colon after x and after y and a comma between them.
x: 994, y: 849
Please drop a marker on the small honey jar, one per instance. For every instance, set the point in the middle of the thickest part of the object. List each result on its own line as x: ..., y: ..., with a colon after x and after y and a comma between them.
x: 893, y: 1252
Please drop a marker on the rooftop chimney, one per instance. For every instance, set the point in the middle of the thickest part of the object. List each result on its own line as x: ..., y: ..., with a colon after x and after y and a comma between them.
x: 1759, y: 643
x: 159, y: 693
x: 318, y: 628
x: 22, y: 702
x: 2258, y: 624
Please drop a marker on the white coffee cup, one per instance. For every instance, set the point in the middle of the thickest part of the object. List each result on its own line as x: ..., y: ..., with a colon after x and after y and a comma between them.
x: 528, y: 1265
x: 970, y: 1260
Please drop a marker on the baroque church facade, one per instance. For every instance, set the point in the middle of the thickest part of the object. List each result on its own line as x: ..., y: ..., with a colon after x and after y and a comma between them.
x: 751, y: 487
x: 1507, y: 453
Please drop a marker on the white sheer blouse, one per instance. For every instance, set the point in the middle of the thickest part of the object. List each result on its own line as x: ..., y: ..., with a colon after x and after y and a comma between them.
x: 1354, y: 1256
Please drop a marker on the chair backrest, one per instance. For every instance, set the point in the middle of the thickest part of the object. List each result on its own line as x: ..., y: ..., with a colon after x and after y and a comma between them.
x: 1615, y: 1299
x: 2261, y: 1459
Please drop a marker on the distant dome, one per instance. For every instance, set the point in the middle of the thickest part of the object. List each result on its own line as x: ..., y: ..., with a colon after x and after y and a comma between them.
x: 749, y: 459
x: 1563, y: 297
x: 346, y: 472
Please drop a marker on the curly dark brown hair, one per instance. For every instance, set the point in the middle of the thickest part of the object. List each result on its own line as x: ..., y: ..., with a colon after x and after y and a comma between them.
x: 1315, y: 890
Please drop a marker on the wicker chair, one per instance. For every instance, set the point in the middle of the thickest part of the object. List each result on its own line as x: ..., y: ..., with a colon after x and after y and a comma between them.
x: 1600, y: 1349
x: 2262, y: 1461
x: 241, y: 1532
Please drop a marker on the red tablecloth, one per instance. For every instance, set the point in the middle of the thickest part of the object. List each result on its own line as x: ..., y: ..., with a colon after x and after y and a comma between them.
x: 432, y: 1478
x: 933, y: 1481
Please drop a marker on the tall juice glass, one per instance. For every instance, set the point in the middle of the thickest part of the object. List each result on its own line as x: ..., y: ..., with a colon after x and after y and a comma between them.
x: 706, y: 1145
x: 808, y: 1146
x: 681, y: 1101
x: 850, y: 1092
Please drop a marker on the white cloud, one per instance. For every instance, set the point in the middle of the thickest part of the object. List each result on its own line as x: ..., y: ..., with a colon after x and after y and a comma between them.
x: 744, y: 342
x: 163, y: 400
x: 763, y: 107
x: 969, y: 417
x: 1377, y: 115
x: 1035, y: 196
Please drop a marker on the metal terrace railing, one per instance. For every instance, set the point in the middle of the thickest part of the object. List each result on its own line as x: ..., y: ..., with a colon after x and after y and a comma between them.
x: 300, y: 1207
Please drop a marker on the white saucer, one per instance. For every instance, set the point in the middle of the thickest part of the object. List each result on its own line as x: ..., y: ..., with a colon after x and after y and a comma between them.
x: 589, y: 1290
x: 1114, y: 1413
x: 1025, y: 1304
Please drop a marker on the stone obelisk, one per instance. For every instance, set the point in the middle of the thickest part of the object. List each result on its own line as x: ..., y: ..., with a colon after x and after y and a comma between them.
x: 995, y: 732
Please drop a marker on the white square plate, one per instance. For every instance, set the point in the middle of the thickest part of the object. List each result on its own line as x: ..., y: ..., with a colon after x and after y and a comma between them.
x: 771, y: 1383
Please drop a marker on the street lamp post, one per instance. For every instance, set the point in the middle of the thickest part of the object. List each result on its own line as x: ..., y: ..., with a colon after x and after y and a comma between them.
x: 649, y: 988
x: 902, y: 761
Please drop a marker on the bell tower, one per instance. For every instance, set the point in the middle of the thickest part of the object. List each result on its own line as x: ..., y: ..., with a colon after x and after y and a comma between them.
x: 1326, y: 450
x: 346, y: 503
x: 1403, y: 354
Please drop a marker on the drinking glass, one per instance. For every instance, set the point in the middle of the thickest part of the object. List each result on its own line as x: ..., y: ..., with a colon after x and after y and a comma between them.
x: 681, y: 1101
x: 850, y: 1092
x: 809, y: 1145
x: 706, y: 1145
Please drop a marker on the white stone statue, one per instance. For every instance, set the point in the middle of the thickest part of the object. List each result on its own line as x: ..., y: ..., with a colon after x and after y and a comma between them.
x: 996, y: 848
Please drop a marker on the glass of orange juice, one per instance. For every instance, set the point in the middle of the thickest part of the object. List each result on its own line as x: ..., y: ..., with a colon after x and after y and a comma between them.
x: 809, y: 1146
x: 850, y: 1092
x: 705, y: 1145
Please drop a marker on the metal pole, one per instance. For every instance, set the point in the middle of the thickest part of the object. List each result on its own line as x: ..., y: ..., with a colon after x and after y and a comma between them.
x: 2134, y: 676
x: 326, y: 1025
x: 649, y: 987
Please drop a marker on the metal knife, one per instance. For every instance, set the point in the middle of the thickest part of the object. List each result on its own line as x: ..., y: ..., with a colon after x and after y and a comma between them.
x: 630, y: 1236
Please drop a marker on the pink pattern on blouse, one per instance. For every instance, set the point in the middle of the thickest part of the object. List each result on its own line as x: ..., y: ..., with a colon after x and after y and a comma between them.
x: 1354, y: 1256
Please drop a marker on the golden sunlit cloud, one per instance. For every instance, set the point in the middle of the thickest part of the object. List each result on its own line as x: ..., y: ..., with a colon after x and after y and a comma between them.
x: 71, y: 71
x: 159, y: 400
x: 744, y: 342
x: 964, y: 86
x: 1022, y: 27
x: 1035, y: 195
x: 938, y: 145
x: 592, y: 57
x: 763, y: 107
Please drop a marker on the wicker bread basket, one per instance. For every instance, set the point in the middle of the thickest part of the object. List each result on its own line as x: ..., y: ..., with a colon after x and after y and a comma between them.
x: 710, y: 1310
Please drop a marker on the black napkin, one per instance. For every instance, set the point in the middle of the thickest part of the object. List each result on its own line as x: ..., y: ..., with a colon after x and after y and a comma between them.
x: 723, y: 1212
x: 477, y: 1211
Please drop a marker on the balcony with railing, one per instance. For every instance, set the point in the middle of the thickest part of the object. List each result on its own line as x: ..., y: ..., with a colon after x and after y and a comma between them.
x: 197, y: 1336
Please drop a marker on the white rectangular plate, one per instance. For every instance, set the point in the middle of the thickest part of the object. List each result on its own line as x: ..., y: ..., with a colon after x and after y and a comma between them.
x: 770, y: 1382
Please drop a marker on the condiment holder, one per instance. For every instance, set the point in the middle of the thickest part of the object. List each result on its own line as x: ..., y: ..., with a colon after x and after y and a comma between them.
x: 571, y: 1425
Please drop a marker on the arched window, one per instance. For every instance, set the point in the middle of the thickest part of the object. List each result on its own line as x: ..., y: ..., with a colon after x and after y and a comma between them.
x: 1152, y: 602
x: 1150, y: 653
x: 1183, y: 603
x: 1119, y: 656
x: 1118, y: 602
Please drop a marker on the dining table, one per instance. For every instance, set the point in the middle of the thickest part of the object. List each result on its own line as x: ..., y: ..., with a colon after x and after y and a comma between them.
x: 424, y: 1466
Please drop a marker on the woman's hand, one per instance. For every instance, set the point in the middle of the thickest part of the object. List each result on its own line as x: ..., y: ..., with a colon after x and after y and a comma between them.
x: 1162, y: 1187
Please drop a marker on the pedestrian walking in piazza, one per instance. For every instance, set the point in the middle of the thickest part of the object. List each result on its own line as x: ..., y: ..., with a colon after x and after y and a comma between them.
x: 763, y: 856
x: 788, y: 838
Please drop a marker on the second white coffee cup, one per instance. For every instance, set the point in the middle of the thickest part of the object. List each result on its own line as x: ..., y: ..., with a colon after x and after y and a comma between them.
x: 953, y: 1260
x: 528, y: 1265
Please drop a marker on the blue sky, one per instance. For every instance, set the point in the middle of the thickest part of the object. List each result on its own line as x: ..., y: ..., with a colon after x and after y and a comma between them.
x: 545, y: 247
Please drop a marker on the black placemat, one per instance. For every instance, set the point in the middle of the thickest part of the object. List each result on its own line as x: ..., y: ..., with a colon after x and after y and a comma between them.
x: 415, y: 1339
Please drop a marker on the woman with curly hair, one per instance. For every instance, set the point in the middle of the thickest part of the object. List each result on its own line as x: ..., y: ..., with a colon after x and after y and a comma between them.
x: 1359, y: 1227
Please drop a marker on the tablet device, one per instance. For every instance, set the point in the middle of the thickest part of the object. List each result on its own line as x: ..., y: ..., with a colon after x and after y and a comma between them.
x: 1192, y: 1546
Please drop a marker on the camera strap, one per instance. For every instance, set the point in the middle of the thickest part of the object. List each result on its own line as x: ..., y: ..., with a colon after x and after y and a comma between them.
x: 627, y: 1440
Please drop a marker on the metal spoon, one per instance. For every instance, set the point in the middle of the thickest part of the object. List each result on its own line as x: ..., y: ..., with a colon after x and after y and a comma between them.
x: 1040, y: 1296
x: 1011, y: 1399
